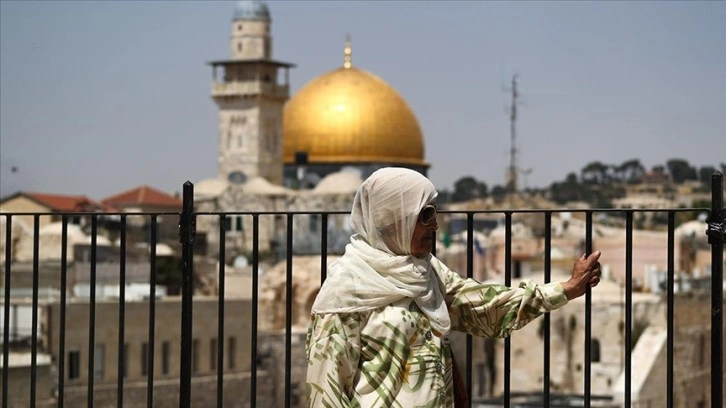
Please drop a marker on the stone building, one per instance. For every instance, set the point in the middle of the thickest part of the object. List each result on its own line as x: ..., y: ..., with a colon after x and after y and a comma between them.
x: 136, y: 360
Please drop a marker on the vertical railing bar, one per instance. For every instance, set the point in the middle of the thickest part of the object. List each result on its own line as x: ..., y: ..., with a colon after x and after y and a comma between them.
x: 255, y: 299
x: 186, y: 236
x: 288, y: 311
x: 62, y: 334
x: 716, y: 239
x: 324, y: 247
x: 588, y: 316
x: 34, y: 327
x: 469, y: 275
x: 6, y: 305
x: 121, y: 315
x: 152, y: 314
x: 507, y: 282
x: 220, y: 311
x: 670, y: 310
x: 92, y: 310
x: 547, y: 279
x: 628, y: 305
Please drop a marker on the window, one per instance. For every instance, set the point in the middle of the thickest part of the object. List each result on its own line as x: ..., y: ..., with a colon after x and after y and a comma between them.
x: 517, y: 273
x: 213, y: 354
x: 144, y: 359
x: 195, y: 356
x: 231, y: 352
x: 239, y: 47
x: 234, y: 223
x: 165, y: 352
x: 595, y: 351
x: 74, y: 364
x: 239, y: 27
x: 99, y: 361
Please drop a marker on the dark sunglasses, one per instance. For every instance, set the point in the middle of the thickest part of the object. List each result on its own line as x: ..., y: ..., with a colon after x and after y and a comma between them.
x: 428, y: 214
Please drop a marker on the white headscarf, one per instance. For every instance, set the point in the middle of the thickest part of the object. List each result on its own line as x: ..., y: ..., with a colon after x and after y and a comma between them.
x: 377, y: 268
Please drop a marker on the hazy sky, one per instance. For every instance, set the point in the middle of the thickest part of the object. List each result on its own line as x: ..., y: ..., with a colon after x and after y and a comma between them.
x: 99, y: 97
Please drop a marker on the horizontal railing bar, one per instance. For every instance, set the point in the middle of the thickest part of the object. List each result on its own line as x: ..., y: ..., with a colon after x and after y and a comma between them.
x: 91, y: 213
x: 318, y: 212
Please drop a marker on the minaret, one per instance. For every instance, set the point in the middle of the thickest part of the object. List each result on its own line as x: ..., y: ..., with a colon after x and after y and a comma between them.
x: 250, y: 97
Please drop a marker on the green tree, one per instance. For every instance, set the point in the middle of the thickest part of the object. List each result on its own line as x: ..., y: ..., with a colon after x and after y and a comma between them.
x: 704, y: 174
x: 567, y: 190
x: 467, y: 188
x: 680, y: 170
x: 658, y: 169
x: 499, y: 192
x: 596, y: 172
x: 630, y: 171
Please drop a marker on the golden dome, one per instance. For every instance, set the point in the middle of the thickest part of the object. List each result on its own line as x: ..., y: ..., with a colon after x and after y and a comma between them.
x: 351, y: 116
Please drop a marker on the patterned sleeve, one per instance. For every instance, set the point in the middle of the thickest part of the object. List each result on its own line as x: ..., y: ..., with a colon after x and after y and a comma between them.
x: 333, y: 351
x: 492, y: 310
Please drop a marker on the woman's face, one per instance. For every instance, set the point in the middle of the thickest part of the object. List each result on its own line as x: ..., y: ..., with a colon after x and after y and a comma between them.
x: 422, y: 240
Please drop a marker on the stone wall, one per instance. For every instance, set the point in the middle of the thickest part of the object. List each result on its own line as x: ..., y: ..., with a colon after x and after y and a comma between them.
x: 166, y: 393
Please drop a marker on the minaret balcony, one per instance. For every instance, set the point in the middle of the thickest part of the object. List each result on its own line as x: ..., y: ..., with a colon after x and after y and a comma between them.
x: 249, y: 88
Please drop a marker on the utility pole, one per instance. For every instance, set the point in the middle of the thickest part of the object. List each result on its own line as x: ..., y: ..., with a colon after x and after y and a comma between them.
x: 512, y: 171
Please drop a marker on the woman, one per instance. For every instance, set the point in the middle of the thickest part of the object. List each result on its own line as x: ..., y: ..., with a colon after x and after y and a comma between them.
x: 378, y: 335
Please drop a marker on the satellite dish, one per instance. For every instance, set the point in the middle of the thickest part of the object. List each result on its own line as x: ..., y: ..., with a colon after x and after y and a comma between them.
x: 240, y: 262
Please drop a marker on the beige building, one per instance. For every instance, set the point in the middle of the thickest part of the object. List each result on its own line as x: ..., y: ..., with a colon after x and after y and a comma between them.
x: 136, y: 354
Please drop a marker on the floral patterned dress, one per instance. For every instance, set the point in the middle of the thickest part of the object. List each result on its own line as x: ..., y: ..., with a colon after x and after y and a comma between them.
x: 391, y: 357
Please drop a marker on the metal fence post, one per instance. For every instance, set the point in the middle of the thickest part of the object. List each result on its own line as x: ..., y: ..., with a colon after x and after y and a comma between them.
x: 187, y: 231
x: 715, y: 234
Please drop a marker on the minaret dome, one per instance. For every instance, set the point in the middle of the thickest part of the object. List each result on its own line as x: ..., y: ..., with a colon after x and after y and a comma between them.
x: 251, y: 10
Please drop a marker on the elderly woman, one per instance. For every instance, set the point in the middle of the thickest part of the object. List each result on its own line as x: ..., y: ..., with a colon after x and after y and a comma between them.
x: 378, y: 335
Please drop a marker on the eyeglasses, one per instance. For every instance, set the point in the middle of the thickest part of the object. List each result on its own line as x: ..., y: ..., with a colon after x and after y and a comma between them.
x: 428, y: 214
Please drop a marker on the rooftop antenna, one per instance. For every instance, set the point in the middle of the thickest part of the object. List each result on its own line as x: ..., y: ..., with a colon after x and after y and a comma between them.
x: 512, y: 170
x: 348, y: 53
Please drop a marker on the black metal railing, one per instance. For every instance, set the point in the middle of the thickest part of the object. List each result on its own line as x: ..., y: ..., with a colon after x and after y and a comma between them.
x: 187, y: 235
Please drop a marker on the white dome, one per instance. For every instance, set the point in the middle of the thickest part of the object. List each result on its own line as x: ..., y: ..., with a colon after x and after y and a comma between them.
x: 343, y: 182
x: 209, y: 188
x: 258, y: 185
x: 56, y: 228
